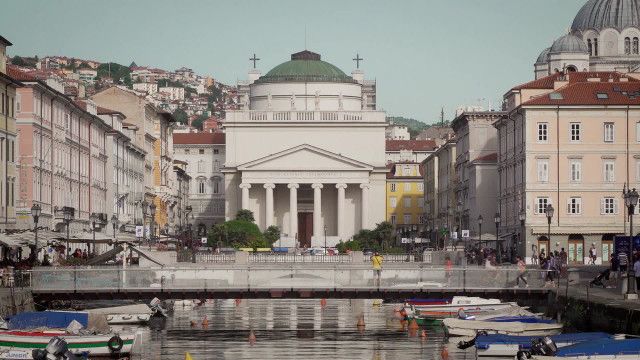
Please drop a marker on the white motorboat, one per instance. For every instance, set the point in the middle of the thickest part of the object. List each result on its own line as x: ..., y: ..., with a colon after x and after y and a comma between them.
x: 125, y: 315
x: 498, y: 345
x: 461, y: 327
x: 444, y: 308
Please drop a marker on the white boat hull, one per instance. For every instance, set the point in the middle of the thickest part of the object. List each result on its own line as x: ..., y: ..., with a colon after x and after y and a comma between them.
x: 588, y: 357
x: 458, y: 327
x: 128, y: 319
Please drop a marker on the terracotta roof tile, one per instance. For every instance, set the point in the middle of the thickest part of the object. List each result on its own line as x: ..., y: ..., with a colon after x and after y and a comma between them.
x: 415, y: 145
x: 592, y: 93
x: 198, y: 138
x: 104, y: 111
x: 547, y: 82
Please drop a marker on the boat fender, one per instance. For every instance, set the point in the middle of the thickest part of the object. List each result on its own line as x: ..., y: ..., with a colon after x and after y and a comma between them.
x: 523, y: 355
x: 115, y: 344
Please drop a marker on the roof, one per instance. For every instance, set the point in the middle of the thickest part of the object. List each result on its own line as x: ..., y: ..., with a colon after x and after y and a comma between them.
x: 543, y: 57
x: 104, y: 111
x: 548, y: 82
x: 603, y: 14
x: 4, y: 41
x: 391, y: 170
x: 569, y: 43
x: 591, y: 93
x: 305, y: 66
x: 415, y: 145
x: 198, y: 138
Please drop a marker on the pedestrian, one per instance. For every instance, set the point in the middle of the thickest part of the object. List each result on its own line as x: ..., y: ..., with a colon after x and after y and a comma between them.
x: 448, y: 266
x: 614, y: 267
x: 376, y: 262
x: 636, y: 269
x: 534, y: 255
x: 522, y: 270
x: 593, y: 254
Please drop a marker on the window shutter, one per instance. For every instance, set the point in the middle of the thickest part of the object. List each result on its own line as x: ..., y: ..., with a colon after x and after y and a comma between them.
x: 615, y: 206
x: 569, y: 206
x: 535, y: 206
x: 602, y: 206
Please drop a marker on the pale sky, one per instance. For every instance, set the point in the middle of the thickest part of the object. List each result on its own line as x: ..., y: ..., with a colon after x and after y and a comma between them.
x: 424, y: 54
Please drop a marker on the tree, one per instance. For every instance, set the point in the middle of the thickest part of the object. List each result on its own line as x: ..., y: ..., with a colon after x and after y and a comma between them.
x: 18, y: 61
x: 118, y: 73
x: 242, y: 234
x: 216, y: 235
x: 245, y: 215
x: 272, y: 234
x: 181, y: 116
x: 198, y: 122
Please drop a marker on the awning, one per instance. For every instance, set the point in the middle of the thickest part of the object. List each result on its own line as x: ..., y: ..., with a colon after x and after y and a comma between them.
x: 103, y: 258
x: 28, y: 238
x: 144, y: 255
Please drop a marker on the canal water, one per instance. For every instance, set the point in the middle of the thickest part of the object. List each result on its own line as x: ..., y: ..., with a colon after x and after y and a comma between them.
x: 292, y: 329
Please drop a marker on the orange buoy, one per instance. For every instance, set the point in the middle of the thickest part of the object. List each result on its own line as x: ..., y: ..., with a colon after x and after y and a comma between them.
x: 423, y: 334
x: 193, y: 323
x: 413, y: 324
x: 444, y: 353
x: 238, y: 301
x: 323, y: 302
x: 360, y: 322
x: 413, y: 333
x: 252, y: 337
x: 403, y: 323
x: 205, y: 321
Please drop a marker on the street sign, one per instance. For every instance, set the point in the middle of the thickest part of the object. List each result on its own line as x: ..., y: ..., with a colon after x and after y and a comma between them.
x: 405, y: 240
x: 204, y: 240
x: 139, y: 231
x: 454, y: 235
x: 465, y: 234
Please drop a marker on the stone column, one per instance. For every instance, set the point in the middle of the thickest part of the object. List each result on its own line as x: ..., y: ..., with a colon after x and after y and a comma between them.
x: 317, y: 210
x: 269, y: 204
x: 341, y: 190
x: 293, y: 209
x: 365, y: 205
x: 245, y: 195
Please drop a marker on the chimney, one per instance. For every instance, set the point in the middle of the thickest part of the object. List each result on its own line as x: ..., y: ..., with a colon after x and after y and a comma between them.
x: 358, y: 75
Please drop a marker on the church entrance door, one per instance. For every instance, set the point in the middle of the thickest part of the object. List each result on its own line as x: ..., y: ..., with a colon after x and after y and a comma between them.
x: 305, y: 228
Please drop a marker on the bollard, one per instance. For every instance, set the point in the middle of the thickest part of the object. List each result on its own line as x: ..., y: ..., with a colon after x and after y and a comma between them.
x: 252, y: 337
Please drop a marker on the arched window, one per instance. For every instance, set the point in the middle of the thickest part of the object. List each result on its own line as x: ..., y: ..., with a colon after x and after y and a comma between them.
x: 627, y: 45
x: 216, y: 185
x: 635, y: 45
x: 595, y: 47
x: 201, y: 186
x: 590, y: 46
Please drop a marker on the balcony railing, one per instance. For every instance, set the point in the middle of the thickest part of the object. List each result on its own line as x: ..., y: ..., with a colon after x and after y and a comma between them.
x: 293, y: 115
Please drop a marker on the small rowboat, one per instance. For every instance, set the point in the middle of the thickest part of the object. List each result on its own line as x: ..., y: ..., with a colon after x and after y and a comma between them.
x: 530, y: 326
x: 434, y: 309
x: 18, y: 344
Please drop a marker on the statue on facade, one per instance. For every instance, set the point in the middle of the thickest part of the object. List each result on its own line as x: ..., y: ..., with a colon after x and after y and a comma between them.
x: 317, y: 99
x: 293, y: 101
x: 340, y: 107
x: 269, y: 101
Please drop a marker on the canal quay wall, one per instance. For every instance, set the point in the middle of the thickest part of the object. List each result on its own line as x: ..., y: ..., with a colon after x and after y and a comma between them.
x: 15, y: 300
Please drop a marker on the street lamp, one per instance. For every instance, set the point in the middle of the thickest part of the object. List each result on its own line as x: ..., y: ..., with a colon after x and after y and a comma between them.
x: 480, y: 219
x: 35, y: 212
x: 497, y: 219
x: 144, y: 206
x: 325, y: 239
x: 93, y: 218
x: 630, y: 199
x: 459, y: 207
x: 114, y: 223
x: 152, y: 213
x: 67, y: 217
x: 522, y: 217
x: 549, y: 210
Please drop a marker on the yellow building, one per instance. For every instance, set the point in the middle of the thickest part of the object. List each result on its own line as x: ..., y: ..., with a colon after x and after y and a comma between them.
x: 405, y: 197
x: 8, y: 174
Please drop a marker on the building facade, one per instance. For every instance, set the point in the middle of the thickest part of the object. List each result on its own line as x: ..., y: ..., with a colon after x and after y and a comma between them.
x: 408, y: 150
x: 571, y: 141
x: 205, y: 153
x: 405, y: 198
x: 320, y: 164
x: 8, y: 175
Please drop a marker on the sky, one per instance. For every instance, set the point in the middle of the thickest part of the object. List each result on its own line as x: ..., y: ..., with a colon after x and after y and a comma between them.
x: 424, y: 54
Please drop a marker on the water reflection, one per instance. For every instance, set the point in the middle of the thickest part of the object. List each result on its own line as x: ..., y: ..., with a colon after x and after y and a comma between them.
x: 292, y: 329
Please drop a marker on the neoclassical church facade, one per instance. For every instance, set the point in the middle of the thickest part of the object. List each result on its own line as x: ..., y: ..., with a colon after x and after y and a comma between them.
x: 305, y: 152
x: 604, y: 36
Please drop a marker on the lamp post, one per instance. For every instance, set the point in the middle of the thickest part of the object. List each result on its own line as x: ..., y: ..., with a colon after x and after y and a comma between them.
x: 549, y: 210
x: 152, y: 213
x: 35, y: 212
x: 93, y: 218
x: 144, y: 206
x: 522, y: 216
x: 114, y: 223
x: 67, y: 217
x: 631, y: 200
x: 325, y: 239
x: 497, y: 219
x: 480, y: 219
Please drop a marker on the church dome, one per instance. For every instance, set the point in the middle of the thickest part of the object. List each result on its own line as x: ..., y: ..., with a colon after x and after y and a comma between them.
x: 305, y: 66
x: 603, y: 14
x: 544, y: 56
x: 569, y: 44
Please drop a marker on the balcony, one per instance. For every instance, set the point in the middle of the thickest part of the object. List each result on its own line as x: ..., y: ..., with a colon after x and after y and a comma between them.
x: 293, y: 115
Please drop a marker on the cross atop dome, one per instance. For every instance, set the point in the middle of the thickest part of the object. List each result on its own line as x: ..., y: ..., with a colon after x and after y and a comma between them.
x: 305, y: 55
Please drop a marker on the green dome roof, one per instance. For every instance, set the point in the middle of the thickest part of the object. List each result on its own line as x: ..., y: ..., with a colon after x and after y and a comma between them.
x: 305, y: 66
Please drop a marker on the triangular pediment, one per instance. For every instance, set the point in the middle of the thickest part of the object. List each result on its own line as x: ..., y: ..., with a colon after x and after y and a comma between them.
x: 305, y: 157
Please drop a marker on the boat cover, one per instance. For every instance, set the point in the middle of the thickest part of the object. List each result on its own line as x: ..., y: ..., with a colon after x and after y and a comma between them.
x: 602, y: 347
x: 47, y: 319
x: 522, y: 319
x: 524, y: 342
x: 126, y: 309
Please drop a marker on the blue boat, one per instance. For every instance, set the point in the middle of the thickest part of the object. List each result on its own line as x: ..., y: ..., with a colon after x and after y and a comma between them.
x: 600, y: 349
x: 497, y: 345
x: 47, y: 319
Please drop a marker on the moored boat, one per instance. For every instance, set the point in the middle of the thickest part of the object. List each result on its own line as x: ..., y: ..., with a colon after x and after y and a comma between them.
x: 528, y: 327
x: 445, y: 308
x: 603, y: 349
x: 499, y: 345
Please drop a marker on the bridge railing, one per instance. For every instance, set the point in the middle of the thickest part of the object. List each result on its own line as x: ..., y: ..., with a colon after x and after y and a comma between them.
x: 296, y: 258
x: 281, y: 276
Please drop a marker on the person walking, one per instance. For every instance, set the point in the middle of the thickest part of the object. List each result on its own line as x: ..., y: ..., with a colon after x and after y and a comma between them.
x: 522, y: 270
x: 593, y: 254
x: 636, y: 269
x: 376, y: 262
x: 534, y: 255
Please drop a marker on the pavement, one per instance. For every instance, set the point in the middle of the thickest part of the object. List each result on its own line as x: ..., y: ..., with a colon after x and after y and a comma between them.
x: 577, y: 286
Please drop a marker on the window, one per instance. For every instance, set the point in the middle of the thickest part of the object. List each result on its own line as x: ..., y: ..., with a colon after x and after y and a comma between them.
x: 393, y: 220
x: 200, y: 151
x: 627, y: 45
x: 422, y: 219
x: 635, y: 45
x: 216, y: 165
x: 201, y: 186
x: 200, y: 166
x: 407, y: 219
x: 407, y: 202
x: 602, y: 96
x: 393, y: 187
x: 575, y: 132
x: 543, y: 132
x: 574, y: 206
x: 576, y: 170
x: 541, y: 204
x: 421, y: 187
x: 543, y: 171
x: 407, y: 186
x: 608, y: 132
x: 609, y: 171
x: 590, y: 46
x: 216, y: 185
x: 186, y: 151
x: 609, y: 206
x: 595, y: 47
x: 393, y: 201
x: 216, y: 151
x: 420, y: 202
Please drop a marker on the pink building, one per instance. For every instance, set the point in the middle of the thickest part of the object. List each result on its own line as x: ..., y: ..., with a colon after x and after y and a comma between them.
x: 62, y: 155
